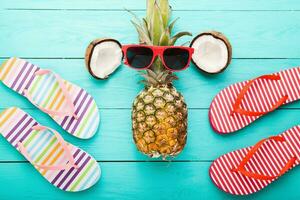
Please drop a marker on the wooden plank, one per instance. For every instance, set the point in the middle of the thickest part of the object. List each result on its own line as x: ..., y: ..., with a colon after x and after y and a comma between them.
x: 132, y: 4
x: 60, y: 33
x: 145, y: 181
x: 62, y: 29
x: 114, y: 138
x: 121, y: 88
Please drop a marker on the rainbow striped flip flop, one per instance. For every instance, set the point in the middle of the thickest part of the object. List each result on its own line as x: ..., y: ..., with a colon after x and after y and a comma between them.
x: 65, y: 166
x: 69, y: 105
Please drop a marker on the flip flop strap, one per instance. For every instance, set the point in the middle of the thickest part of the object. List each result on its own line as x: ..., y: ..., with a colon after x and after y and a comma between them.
x: 65, y: 92
x: 241, y: 167
x: 237, y: 105
x: 68, y: 153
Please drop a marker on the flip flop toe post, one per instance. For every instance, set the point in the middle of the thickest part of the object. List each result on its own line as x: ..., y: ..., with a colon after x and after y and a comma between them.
x: 248, y: 170
x: 69, y: 105
x: 242, y: 103
x: 65, y: 166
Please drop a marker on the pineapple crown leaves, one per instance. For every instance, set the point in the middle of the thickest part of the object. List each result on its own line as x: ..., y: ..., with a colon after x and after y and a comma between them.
x: 156, y: 79
x: 155, y: 28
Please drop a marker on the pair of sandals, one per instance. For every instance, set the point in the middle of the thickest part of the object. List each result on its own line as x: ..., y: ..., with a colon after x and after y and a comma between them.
x: 69, y: 168
x: 251, y: 169
x: 64, y: 165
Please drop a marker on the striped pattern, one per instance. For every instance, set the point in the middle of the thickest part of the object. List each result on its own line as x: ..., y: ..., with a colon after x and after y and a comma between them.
x: 270, y: 158
x: 43, y: 148
x: 18, y: 75
x: 260, y: 97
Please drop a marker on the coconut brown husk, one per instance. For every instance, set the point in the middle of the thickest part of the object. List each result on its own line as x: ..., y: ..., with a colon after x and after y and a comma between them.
x: 220, y: 36
x: 89, y: 53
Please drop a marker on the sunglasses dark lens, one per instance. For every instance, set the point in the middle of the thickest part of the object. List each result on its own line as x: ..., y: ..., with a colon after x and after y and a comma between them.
x: 139, y: 57
x: 176, y: 58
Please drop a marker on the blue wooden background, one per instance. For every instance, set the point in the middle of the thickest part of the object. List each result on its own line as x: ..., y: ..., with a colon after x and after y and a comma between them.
x: 265, y: 36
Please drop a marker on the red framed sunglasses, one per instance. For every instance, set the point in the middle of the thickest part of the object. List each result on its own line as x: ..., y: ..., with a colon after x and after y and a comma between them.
x: 174, y: 58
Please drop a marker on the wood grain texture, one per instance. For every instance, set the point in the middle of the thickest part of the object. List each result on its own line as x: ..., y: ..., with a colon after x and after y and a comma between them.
x: 130, y: 181
x: 192, y: 5
x: 66, y: 34
x: 54, y: 35
x: 114, y: 142
x: 198, y: 89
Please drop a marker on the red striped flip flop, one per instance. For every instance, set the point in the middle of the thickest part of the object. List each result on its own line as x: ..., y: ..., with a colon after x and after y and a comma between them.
x: 251, y: 169
x: 242, y: 103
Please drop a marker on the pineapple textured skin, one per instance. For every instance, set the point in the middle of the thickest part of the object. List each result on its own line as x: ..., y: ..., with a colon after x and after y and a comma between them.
x: 159, y: 121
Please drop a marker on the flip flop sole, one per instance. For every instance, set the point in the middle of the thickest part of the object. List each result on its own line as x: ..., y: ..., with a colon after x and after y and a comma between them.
x: 43, y: 148
x: 260, y: 97
x: 19, y: 75
x: 270, y: 158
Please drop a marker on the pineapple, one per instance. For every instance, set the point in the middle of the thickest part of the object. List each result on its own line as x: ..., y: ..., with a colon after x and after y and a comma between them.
x: 159, y: 113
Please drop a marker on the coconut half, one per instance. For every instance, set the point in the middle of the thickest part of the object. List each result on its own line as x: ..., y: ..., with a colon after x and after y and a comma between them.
x: 212, y: 52
x: 103, y: 57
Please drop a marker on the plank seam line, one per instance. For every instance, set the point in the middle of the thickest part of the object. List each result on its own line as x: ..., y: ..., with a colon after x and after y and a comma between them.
x: 111, y: 108
x: 179, y: 10
x: 82, y: 58
x: 126, y: 161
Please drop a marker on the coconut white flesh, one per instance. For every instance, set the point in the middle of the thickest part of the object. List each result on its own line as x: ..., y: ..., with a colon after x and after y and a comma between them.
x: 210, y: 53
x: 106, y: 58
